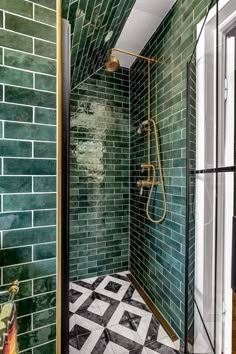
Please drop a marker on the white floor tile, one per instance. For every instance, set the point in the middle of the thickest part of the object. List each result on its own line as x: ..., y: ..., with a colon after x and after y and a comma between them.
x: 72, y: 350
x: 117, y: 349
x: 98, y: 307
x: 167, y: 341
x: 109, y: 349
x: 161, y: 333
x: 137, y: 297
x: 90, y: 280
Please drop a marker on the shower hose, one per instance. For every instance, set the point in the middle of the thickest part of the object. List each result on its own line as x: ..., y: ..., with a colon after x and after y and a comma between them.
x: 153, y: 180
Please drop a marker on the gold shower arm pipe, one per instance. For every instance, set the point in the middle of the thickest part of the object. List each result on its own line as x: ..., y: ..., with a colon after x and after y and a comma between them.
x: 152, y: 60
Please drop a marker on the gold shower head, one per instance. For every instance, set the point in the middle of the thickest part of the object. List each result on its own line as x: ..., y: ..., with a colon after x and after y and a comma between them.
x: 112, y: 64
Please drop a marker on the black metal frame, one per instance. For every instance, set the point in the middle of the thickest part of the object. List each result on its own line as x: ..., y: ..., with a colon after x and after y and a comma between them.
x: 65, y: 188
x: 217, y: 170
x: 188, y: 169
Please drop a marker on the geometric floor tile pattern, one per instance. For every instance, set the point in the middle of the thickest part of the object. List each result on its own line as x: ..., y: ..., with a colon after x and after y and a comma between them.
x: 108, y: 316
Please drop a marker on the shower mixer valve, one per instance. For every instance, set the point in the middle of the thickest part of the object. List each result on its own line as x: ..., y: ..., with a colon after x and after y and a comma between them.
x: 148, y: 182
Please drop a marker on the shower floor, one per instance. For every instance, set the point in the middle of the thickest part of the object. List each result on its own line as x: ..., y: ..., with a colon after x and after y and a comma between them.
x: 108, y: 316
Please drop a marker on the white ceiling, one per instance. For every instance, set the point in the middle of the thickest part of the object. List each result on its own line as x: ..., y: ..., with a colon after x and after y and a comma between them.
x: 142, y: 22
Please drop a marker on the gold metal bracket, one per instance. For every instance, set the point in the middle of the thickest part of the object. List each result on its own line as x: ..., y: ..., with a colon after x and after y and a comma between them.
x: 14, y: 289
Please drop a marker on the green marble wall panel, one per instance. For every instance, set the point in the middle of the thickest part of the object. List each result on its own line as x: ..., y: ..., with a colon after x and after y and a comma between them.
x: 157, y: 252
x: 28, y: 167
x: 91, y: 21
x: 99, y: 175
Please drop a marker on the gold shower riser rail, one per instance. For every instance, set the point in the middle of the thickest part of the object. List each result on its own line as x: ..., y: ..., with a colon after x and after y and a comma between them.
x: 150, y: 183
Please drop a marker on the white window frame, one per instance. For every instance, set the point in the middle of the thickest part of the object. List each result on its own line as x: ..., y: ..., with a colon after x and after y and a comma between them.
x: 206, y: 88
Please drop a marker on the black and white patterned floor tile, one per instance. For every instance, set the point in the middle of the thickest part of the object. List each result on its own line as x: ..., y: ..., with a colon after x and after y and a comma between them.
x: 108, y: 316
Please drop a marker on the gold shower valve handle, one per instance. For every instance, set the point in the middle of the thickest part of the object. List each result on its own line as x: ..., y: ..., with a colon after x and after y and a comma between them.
x: 146, y: 166
x: 147, y: 183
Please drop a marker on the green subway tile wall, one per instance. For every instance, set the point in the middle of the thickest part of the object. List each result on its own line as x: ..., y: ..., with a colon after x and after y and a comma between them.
x: 157, y: 252
x: 99, y: 175
x: 28, y: 166
x: 91, y: 22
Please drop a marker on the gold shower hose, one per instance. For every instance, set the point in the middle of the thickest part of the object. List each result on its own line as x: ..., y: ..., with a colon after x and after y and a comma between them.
x: 153, y: 180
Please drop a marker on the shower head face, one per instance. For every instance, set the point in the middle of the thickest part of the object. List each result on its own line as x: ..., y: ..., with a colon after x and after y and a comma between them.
x: 112, y: 64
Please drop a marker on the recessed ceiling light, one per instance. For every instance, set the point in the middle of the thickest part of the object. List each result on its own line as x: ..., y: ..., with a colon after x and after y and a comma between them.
x: 108, y: 36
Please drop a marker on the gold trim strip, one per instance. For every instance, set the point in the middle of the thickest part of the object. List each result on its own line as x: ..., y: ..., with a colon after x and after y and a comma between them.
x: 59, y: 174
x: 153, y: 308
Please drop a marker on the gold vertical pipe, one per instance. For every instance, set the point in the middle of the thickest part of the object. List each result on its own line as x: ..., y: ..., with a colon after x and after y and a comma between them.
x: 149, y: 117
x: 59, y: 174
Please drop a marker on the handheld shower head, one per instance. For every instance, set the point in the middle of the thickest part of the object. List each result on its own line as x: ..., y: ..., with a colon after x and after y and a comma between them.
x: 112, y: 64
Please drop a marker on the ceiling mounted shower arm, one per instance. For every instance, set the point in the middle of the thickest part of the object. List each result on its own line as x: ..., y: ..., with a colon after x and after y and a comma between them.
x: 151, y: 60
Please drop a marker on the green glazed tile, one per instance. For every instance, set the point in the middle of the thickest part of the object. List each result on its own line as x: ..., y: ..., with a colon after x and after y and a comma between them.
x: 15, y: 256
x: 35, y: 303
x: 19, y: 7
x: 16, y: 112
x: 45, y: 49
x: 15, y: 184
x: 1, y: 56
x: 1, y: 93
x: 29, y: 236
x: 45, y: 116
x: 30, y: 28
x: 44, y: 318
x: 15, y: 77
x: 47, y: 3
x: 44, y: 285
x: 20, y: 202
x: 77, y: 31
x: 1, y: 19
x: 24, y: 324
x: 16, y: 41
x: 65, y: 7
x: 44, y: 184
x: 30, y: 132
x: 46, y: 83
x: 44, y: 217
x: 45, y: 251
x: 45, y: 15
x: 46, y: 348
x: 30, y: 62
x: 46, y: 150
x: 15, y: 221
x: 29, y: 270
x: 30, y: 97
x: 15, y: 148
x: 29, y: 167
